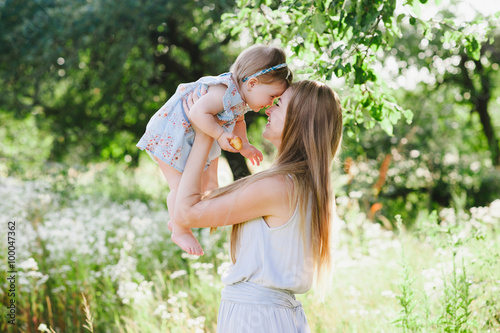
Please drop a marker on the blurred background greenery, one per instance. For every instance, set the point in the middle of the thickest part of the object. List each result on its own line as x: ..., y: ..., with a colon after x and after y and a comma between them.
x: 418, y: 80
x: 80, y: 80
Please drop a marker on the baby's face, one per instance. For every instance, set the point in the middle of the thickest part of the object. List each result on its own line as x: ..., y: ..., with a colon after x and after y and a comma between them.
x: 262, y: 95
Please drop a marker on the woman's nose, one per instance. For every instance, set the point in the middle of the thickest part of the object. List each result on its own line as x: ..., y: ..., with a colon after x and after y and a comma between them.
x: 268, y: 110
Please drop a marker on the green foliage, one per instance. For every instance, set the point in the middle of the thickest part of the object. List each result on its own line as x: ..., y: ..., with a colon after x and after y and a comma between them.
x: 459, y: 236
x: 24, y: 145
x: 94, y: 72
x: 407, y: 319
x: 461, y: 56
x: 342, y: 39
x: 457, y: 302
x: 135, y: 280
x: 439, y: 160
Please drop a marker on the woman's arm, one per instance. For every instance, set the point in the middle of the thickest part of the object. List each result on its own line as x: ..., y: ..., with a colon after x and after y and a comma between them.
x: 267, y: 197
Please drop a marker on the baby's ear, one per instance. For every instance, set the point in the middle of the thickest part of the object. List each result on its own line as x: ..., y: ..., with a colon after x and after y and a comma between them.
x: 252, y: 82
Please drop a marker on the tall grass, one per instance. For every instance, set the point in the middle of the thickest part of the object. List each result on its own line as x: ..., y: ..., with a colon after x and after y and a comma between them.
x: 90, y: 260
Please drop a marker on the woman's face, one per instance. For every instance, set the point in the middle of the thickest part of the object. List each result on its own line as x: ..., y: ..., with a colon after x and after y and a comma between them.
x: 276, y: 119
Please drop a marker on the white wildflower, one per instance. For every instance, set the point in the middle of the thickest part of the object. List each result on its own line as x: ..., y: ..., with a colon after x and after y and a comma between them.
x: 177, y: 274
x: 355, y: 194
x: 495, y: 209
x: 189, y: 256
x: 388, y: 293
x: 173, y: 300
x: 43, y: 328
x: 223, y: 267
x: 450, y: 159
x: 29, y: 264
x: 160, y: 309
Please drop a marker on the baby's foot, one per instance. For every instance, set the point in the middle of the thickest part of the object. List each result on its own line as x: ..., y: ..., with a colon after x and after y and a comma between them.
x: 188, y: 243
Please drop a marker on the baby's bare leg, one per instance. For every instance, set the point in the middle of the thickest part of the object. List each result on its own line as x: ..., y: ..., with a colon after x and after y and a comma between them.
x: 210, y: 180
x: 181, y: 236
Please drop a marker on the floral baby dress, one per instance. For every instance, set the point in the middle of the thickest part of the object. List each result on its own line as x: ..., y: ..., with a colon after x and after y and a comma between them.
x: 169, y: 135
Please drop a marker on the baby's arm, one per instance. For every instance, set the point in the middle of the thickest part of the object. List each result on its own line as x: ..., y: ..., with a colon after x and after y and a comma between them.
x: 202, y: 115
x: 206, y: 107
x: 248, y: 150
x: 240, y: 129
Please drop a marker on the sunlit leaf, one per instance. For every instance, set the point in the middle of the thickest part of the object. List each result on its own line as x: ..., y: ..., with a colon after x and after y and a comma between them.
x: 318, y: 21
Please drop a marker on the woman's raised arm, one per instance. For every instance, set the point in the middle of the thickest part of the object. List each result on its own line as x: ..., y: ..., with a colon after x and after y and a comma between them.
x: 266, y: 197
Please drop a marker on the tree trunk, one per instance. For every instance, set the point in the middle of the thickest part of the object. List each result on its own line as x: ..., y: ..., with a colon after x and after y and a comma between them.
x: 238, y: 165
x: 484, y: 117
x: 236, y: 161
x: 481, y: 105
x: 480, y: 97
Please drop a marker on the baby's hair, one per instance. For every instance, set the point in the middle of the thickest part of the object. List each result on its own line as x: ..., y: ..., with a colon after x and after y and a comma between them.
x: 260, y: 57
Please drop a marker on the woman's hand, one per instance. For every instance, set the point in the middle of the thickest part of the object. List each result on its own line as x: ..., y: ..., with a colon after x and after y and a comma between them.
x: 190, y: 100
x: 192, y: 97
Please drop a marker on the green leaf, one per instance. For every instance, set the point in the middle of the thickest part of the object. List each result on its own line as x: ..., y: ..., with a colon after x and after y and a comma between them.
x: 473, y: 48
x: 408, y: 114
x: 369, y: 124
x: 377, y: 113
x: 416, y: 8
x: 236, y: 30
x: 318, y: 21
x: 394, y: 116
x: 413, y: 20
x: 360, y: 75
x: 447, y: 36
x: 386, y: 125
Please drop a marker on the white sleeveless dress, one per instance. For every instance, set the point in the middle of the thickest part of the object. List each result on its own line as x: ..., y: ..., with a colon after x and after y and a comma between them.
x: 272, y: 265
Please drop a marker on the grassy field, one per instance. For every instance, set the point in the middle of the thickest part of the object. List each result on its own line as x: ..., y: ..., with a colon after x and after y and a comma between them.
x: 92, y: 256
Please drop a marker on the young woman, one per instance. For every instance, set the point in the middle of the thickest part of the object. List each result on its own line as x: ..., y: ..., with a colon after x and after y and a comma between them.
x: 281, y: 217
x: 257, y: 77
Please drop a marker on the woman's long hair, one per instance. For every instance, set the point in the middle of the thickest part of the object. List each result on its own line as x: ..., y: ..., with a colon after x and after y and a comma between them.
x: 311, y: 137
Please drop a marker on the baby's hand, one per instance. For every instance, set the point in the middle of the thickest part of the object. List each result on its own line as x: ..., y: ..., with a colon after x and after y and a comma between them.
x: 224, y: 142
x: 252, y: 153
